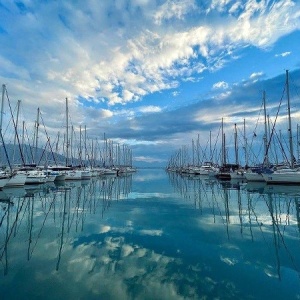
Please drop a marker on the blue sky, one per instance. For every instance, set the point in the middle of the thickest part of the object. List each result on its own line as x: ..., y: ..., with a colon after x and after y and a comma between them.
x: 148, y: 73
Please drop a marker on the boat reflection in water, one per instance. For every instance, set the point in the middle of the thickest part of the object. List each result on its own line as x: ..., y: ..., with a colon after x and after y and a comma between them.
x: 266, y: 215
x: 51, y: 212
x: 150, y: 235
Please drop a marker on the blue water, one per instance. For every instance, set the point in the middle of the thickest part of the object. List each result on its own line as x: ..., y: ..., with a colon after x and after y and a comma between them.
x: 152, y: 235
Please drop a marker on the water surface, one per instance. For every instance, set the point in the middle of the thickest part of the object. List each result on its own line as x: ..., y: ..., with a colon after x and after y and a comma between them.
x: 150, y: 235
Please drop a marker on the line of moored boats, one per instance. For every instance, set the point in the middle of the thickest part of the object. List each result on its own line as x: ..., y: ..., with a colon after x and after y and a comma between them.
x: 279, y: 174
x: 38, y: 175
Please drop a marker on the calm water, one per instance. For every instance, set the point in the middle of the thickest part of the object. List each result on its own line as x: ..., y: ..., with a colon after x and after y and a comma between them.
x: 151, y: 235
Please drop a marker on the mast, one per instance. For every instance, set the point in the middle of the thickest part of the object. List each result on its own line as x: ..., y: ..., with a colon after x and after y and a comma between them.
x: 105, y: 151
x: 1, y: 120
x: 80, y: 146
x: 235, y: 145
x: 17, y: 120
x: 85, y: 148
x: 92, y: 163
x: 198, y: 150
x: 56, y: 146
x: 193, y: 152
x: 67, y: 133
x: 246, y: 144
x: 223, y: 144
x: 2, y: 110
x: 37, y: 134
x: 2, y: 107
x: 290, y: 121
x: 298, y: 141
x: 266, y: 158
x: 71, y: 146
x: 210, y: 149
x: 23, y: 136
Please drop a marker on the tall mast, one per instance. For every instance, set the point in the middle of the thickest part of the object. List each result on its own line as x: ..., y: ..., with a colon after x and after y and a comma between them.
x: 198, y: 150
x: 85, y: 148
x: 92, y: 155
x: 71, y: 145
x: 105, y: 151
x: 246, y: 144
x: 23, y: 136
x: 290, y: 121
x: 37, y: 133
x: 80, y: 146
x: 235, y: 145
x: 210, y: 149
x: 67, y: 133
x: 223, y: 144
x: 193, y: 152
x: 2, y: 110
x: 1, y: 120
x: 266, y: 158
x: 17, y: 120
x: 2, y: 107
x: 298, y: 141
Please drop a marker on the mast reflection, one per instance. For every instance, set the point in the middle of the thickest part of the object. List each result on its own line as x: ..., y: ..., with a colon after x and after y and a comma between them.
x: 264, y: 214
x: 42, y: 212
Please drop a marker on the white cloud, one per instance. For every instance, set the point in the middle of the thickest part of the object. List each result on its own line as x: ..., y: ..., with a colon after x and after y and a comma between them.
x: 105, y: 113
x: 261, y: 23
x: 256, y: 75
x: 219, y: 5
x: 91, y: 55
x: 220, y: 85
x: 283, y: 54
x: 149, y: 109
x: 176, y: 9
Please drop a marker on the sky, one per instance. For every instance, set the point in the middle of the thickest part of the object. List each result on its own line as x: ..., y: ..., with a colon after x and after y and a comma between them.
x: 154, y: 75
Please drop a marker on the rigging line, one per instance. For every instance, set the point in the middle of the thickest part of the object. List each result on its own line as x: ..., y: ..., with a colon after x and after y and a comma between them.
x: 280, y: 236
x: 281, y: 145
x: 256, y: 125
x: 205, y: 150
x: 215, y: 145
x: 15, y: 127
x: 8, y: 124
x: 5, y: 150
x: 48, y: 138
x: 255, y: 155
x: 294, y: 85
x: 273, y: 127
x: 15, y: 223
x: 43, y: 223
x: 28, y: 141
x: 44, y: 151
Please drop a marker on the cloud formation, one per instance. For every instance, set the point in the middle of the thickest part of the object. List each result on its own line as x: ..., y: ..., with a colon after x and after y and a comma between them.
x: 121, y: 53
x: 108, y: 56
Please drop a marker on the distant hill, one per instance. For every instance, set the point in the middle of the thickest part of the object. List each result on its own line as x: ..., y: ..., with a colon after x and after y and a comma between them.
x: 31, y: 156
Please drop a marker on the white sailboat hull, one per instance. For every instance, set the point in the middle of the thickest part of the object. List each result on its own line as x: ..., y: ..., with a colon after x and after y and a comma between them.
x: 252, y: 176
x: 282, y: 177
x: 17, y: 179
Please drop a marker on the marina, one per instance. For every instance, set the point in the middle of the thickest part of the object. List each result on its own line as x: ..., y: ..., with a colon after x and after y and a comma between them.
x: 150, y: 150
x: 276, y: 164
x: 150, y: 234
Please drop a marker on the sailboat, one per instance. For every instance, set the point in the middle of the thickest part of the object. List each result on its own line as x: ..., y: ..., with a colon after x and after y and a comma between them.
x: 9, y: 178
x: 226, y: 168
x: 70, y: 173
x: 255, y: 173
x: 238, y: 173
x: 289, y: 174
